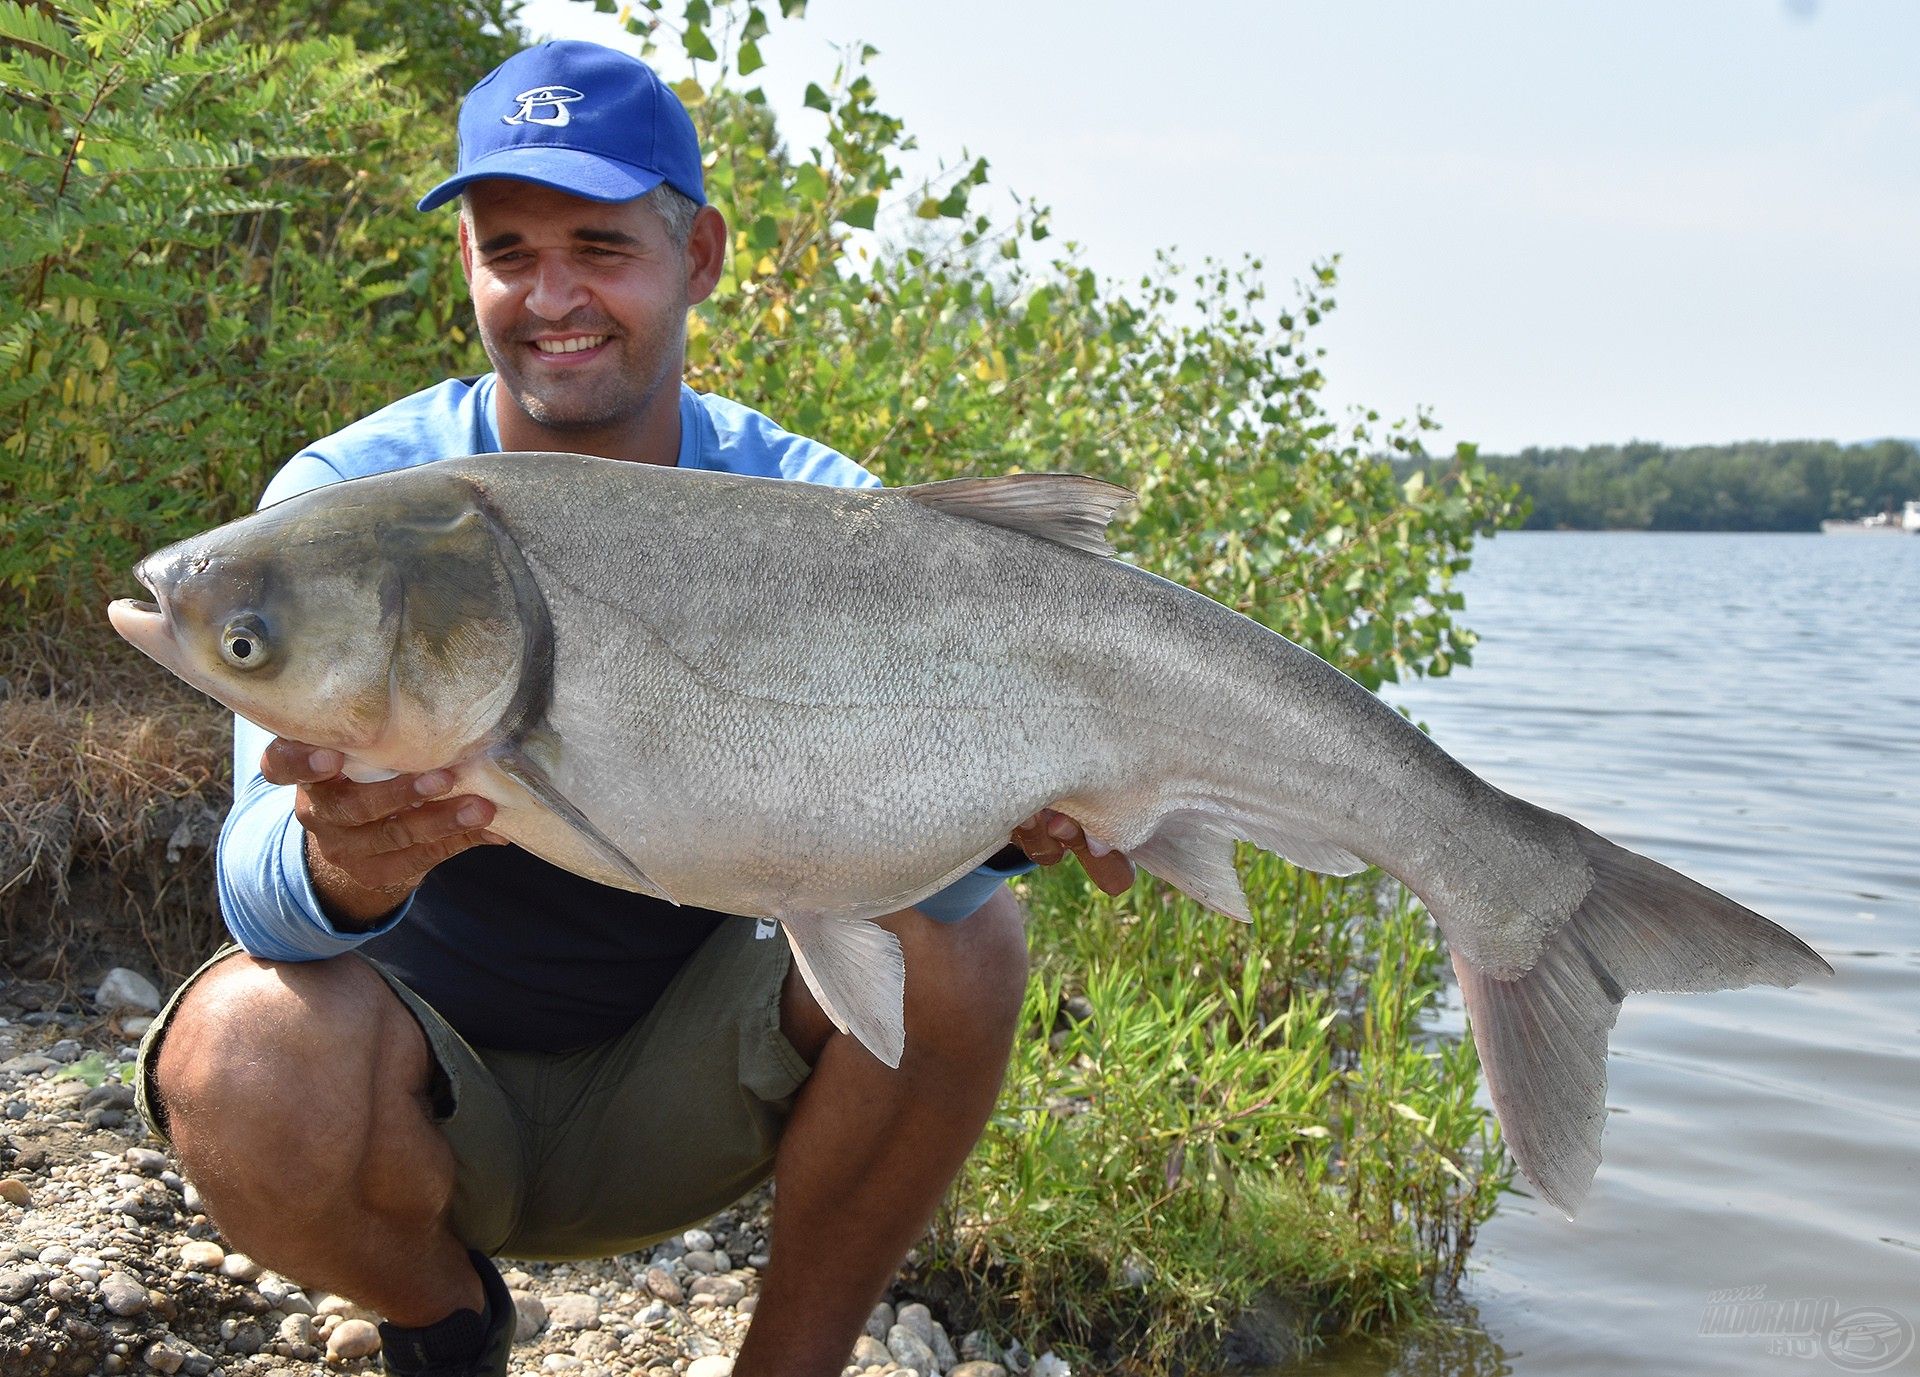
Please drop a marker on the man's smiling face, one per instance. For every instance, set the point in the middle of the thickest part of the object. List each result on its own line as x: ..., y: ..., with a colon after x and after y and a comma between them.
x: 582, y: 305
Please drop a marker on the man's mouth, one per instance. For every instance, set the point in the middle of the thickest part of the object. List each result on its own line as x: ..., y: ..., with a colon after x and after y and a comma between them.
x: 575, y: 344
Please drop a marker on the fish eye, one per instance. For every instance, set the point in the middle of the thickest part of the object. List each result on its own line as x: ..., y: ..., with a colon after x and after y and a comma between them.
x: 243, y: 643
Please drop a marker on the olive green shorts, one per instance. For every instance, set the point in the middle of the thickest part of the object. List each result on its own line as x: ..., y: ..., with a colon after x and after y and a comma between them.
x: 600, y: 1151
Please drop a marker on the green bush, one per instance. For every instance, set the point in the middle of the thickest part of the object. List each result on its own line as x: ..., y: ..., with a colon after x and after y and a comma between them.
x: 210, y: 264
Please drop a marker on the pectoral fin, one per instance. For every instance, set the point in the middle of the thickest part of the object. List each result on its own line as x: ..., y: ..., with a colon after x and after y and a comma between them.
x: 518, y: 765
x: 857, y: 973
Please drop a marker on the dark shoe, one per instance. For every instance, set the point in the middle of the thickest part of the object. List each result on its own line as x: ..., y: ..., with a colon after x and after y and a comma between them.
x: 464, y: 1344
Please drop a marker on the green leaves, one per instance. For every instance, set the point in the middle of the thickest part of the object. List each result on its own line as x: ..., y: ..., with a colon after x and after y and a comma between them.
x: 34, y: 28
x: 200, y: 275
x: 93, y: 1070
x: 699, y: 47
x: 859, y: 213
x: 810, y: 183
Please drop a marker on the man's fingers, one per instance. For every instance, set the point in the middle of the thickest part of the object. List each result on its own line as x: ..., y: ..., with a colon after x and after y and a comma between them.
x: 295, y: 762
x: 1048, y: 836
x: 1112, y: 871
x: 397, y: 852
x: 1033, y: 838
x: 342, y: 803
x: 402, y: 871
x: 426, y: 825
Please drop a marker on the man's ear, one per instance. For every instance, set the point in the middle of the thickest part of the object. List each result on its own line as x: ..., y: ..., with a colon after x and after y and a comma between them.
x: 466, y: 247
x: 706, y: 253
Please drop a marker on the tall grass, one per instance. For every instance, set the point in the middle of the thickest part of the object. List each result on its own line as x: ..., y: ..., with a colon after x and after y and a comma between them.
x: 113, y: 782
x: 1203, y: 1114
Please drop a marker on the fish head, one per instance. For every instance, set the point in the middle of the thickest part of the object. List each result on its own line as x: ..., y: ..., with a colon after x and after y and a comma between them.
x: 389, y: 622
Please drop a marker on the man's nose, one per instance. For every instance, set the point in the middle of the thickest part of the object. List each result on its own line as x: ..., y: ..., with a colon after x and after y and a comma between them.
x: 556, y: 289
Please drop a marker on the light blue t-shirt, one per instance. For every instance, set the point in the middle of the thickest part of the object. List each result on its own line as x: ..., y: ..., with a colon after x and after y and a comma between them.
x: 266, y: 895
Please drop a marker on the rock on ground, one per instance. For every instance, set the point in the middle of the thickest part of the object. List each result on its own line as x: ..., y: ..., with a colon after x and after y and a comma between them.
x: 109, y: 1266
x: 909, y: 1350
x: 352, y: 1339
x: 121, y: 988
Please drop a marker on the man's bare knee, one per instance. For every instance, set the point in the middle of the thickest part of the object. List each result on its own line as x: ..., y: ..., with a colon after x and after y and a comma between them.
x: 295, y: 1098
x: 250, y: 1031
x: 972, y: 978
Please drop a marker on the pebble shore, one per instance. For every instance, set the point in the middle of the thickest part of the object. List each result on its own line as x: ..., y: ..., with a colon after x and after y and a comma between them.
x: 109, y: 1266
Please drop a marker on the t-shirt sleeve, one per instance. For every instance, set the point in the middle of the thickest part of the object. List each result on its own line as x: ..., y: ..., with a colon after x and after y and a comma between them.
x: 260, y: 867
x: 965, y: 896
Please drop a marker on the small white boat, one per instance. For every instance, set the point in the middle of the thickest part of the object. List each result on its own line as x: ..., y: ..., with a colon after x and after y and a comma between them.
x: 1906, y: 522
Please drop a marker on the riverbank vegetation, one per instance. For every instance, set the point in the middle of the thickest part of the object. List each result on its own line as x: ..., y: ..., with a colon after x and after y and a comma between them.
x: 1790, y: 485
x: 1223, y: 1135
x: 207, y: 272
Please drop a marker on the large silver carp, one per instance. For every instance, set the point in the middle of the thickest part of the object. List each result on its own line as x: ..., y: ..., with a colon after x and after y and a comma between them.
x: 821, y: 705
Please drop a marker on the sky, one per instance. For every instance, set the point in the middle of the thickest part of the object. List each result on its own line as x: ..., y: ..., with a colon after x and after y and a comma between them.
x: 1560, y: 222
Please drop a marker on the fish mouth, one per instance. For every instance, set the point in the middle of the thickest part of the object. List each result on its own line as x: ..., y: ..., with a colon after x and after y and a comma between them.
x: 144, y: 625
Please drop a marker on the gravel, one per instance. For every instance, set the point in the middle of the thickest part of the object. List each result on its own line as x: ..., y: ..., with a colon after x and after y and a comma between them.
x: 109, y: 1265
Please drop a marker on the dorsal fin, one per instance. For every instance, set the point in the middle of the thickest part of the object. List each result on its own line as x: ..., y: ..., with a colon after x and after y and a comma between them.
x: 1069, y: 509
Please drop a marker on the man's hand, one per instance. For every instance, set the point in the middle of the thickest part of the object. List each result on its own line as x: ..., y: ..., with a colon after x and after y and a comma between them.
x: 368, y: 846
x: 1047, y: 837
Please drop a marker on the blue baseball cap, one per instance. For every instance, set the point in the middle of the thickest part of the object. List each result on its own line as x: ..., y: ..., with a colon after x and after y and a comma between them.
x: 580, y: 118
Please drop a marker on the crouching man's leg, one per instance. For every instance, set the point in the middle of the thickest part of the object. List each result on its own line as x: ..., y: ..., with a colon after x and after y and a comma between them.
x: 296, y: 1096
x: 868, y: 1151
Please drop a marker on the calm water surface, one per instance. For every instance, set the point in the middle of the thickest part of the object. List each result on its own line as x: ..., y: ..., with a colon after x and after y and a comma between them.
x: 1747, y: 709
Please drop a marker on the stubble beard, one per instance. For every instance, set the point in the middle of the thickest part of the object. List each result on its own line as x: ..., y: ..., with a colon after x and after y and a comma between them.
x: 621, y: 389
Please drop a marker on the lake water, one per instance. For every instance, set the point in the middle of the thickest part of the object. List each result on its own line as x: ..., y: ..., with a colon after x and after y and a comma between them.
x: 1745, y: 708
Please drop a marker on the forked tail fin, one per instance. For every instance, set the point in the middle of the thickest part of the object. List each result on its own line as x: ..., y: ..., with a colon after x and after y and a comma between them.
x: 1543, y: 1035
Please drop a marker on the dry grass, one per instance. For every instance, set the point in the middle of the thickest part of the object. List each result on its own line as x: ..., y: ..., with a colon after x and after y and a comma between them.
x: 113, y: 782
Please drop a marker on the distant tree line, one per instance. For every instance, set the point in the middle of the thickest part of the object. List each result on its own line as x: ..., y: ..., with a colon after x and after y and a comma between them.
x: 1787, y: 485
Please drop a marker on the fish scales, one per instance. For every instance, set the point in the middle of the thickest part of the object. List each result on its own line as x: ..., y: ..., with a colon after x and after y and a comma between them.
x: 823, y: 704
x: 856, y: 636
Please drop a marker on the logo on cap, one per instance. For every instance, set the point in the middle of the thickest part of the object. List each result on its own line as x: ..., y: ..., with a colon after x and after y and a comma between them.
x: 558, y: 97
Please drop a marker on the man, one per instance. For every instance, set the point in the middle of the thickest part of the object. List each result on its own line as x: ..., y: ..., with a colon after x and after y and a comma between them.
x: 532, y: 1064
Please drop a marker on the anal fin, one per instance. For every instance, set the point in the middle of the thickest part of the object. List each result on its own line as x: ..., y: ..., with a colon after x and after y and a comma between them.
x: 857, y: 972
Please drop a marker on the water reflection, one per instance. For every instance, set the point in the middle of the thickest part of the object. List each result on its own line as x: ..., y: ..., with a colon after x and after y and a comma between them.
x: 1457, y: 1345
